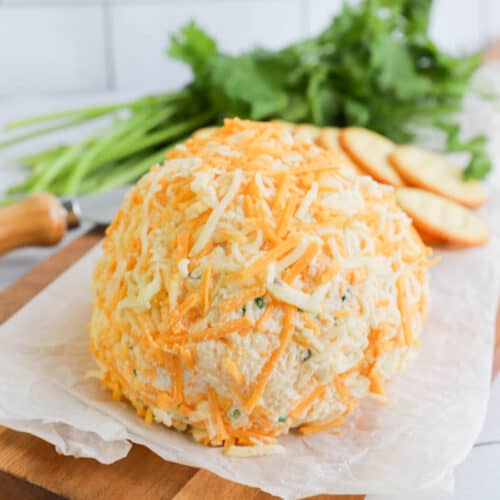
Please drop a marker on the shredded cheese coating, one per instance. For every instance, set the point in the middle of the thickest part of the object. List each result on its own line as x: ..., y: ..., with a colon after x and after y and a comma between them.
x: 252, y: 284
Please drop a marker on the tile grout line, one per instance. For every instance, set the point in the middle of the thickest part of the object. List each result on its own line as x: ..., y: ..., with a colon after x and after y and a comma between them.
x: 108, y: 47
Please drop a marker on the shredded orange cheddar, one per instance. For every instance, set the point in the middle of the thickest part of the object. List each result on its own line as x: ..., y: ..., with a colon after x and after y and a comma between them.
x: 301, y: 263
x: 286, y: 335
x: 215, y: 415
x: 239, y: 273
x: 233, y: 370
x: 261, y: 263
x: 205, y: 288
x: 241, y: 326
x: 287, y: 215
x: 307, y: 401
x: 237, y: 301
x: 263, y: 317
x: 377, y: 384
x: 403, y: 310
x: 283, y: 186
x: 313, y: 428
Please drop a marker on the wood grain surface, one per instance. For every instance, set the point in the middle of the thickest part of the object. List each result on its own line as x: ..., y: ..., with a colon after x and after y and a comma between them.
x: 31, y: 469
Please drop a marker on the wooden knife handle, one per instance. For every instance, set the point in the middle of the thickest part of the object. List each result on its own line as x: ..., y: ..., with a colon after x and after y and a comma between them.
x: 39, y: 220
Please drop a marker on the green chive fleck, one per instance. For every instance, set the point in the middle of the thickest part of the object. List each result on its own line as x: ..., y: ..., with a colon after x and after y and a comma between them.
x: 135, y: 372
x: 259, y: 302
x: 281, y: 420
x: 306, y: 355
x: 243, y: 310
x: 236, y: 413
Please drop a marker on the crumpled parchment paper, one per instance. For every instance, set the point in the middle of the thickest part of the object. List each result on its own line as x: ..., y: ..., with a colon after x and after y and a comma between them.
x: 406, y: 448
x: 435, y: 411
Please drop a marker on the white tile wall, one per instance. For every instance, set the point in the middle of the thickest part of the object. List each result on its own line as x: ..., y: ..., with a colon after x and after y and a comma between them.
x: 52, y: 49
x: 457, y: 26
x: 490, y: 18
x: 51, y: 46
x: 320, y: 13
x: 141, y: 34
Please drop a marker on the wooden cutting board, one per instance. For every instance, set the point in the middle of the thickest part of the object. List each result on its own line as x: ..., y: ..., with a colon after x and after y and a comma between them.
x: 31, y: 469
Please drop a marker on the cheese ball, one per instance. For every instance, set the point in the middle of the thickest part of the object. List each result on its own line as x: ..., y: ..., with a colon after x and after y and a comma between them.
x: 252, y: 284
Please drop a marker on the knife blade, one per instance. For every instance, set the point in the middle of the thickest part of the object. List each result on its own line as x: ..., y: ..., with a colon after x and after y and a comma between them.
x: 99, y: 208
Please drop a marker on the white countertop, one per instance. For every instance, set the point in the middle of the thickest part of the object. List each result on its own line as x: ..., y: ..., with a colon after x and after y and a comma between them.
x: 479, y: 473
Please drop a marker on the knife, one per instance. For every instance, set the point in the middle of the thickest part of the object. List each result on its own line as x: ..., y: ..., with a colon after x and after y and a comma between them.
x: 42, y: 219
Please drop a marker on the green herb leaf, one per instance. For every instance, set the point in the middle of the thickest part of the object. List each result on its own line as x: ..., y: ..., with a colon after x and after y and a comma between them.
x: 374, y: 65
x: 193, y: 46
x: 479, y: 166
x: 240, y: 88
x: 259, y: 302
x: 306, y: 355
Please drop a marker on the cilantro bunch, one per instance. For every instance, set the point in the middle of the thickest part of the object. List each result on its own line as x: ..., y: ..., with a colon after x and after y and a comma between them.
x: 374, y: 66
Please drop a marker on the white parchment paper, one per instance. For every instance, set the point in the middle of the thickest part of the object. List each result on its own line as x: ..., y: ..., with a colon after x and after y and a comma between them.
x: 406, y: 449
x: 411, y: 444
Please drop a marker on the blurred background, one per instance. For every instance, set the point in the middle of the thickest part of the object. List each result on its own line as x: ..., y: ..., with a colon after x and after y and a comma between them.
x: 55, y: 47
